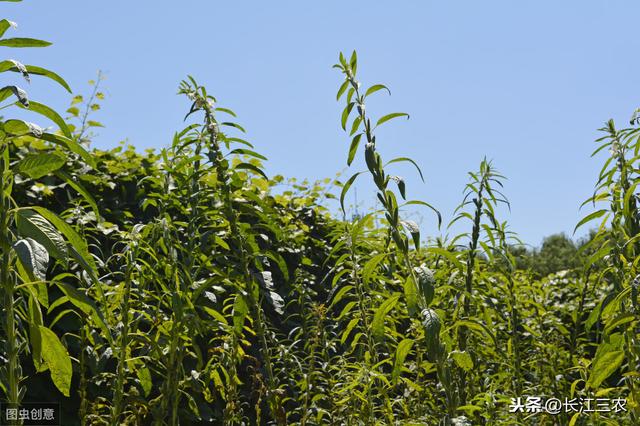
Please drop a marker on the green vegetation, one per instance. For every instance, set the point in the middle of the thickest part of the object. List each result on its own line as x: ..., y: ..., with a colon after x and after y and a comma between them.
x: 183, y: 287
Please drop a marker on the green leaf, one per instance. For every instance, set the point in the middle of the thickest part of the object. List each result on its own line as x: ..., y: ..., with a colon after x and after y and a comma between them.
x: 403, y: 349
x: 36, y: 166
x: 463, y: 359
x: 234, y: 125
x: 35, y: 337
x: 80, y: 250
x: 353, y: 148
x: 23, y: 42
x: 144, y: 375
x: 20, y: 128
x: 57, y: 359
x: 5, y: 24
x: 348, y: 329
x: 342, y: 89
x: 589, y: 218
x: 35, y: 226
x: 346, y: 187
x: 371, y: 266
x: 7, y: 91
x: 375, y: 88
x: 225, y: 110
x: 345, y: 115
x: 593, y: 317
x: 80, y: 190
x: 85, y: 304
x: 623, y: 318
x: 255, y: 169
x: 422, y: 203
x: 409, y: 160
x: 33, y: 256
x: 15, y: 66
x: 377, y: 324
x: 355, y: 125
x: 240, y: 311
x: 242, y: 151
x: 603, y: 367
x: 71, y: 145
x: 50, y: 114
x: 411, y: 295
x: 34, y: 70
x: 391, y: 116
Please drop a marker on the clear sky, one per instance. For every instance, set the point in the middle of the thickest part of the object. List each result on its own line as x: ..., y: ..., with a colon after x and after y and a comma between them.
x: 525, y: 83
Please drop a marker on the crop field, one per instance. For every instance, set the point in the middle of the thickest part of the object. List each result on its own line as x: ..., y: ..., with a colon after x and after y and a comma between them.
x: 183, y: 286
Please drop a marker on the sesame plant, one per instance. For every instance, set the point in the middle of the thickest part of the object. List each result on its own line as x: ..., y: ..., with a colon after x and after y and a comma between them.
x: 33, y: 235
x: 185, y: 286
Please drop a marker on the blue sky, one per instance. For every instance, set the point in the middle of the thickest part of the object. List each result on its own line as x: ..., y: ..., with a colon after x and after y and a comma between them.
x: 526, y: 84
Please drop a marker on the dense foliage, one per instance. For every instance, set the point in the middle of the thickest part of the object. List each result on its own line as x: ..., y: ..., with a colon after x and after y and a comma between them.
x: 187, y: 287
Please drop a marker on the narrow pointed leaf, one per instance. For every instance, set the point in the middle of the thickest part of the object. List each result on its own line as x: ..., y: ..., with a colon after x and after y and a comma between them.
x: 23, y: 42
x: 391, y: 116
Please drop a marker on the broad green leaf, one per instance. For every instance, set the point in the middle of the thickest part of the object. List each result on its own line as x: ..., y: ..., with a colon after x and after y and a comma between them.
x: 74, y: 239
x: 36, y: 166
x: 23, y: 42
x: 20, y: 128
x: 33, y: 225
x: 403, y: 349
x: 33, y: 256
x: 463, y: 359
x: 603, y: 367
x: 57, y: 359
x: 371, y: 266
x: 377, y: 324
x: 144, y: 375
